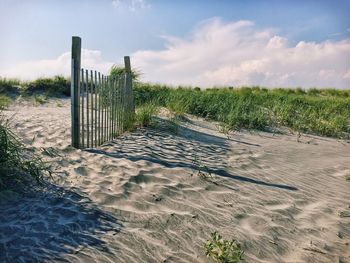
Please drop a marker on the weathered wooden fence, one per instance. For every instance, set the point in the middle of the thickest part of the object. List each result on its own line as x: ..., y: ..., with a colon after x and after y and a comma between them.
x: 102, y: 106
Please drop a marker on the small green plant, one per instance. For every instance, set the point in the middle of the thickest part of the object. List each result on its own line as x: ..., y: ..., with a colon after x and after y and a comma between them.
x: 224, y: 128
x: 344, y: 213
x: 222, y: 250
x: 4, y: 101
x: 203, y: 171
x: 40, y: 99
x: 145, y: 114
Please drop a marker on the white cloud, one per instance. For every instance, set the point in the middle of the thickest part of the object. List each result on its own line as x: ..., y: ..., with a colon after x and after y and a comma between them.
x: 91, y: 59
x: 347, y: 74
x: 138, y: 4
x: 132, y: 5
x: 116, y: 3
x: 238, y: 53
x: 220, y: 54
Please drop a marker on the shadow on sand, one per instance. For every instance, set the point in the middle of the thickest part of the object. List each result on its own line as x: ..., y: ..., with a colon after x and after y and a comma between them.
x: 188, y: 149
x: 52, y: 222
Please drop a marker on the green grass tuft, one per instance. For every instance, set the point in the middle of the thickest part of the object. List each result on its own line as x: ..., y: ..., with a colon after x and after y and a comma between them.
x: 39, y: 99
x: 145, y: 114
x: 118, y: 71
x: 222, y: 250
x: 18, y: 163
x: 4, y: 101
x: 177, y: 108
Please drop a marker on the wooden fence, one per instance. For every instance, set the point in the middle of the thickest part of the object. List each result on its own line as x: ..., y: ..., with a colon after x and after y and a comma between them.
x: 102, y: 106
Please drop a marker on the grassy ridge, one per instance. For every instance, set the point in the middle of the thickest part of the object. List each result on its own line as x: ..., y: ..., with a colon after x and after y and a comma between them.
x: 56, y: 86
x: 324, y: 112
x: 319, y: 111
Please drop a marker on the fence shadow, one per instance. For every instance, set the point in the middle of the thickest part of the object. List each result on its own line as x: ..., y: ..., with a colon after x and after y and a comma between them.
x: 53, y: 224
x: 188, y: 148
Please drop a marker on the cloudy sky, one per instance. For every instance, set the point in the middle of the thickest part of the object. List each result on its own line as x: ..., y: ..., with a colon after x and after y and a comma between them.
x: 185, y: 42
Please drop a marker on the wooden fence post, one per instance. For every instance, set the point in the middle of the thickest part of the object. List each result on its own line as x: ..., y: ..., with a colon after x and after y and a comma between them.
x: 129, y: 83
x: 75, y: 90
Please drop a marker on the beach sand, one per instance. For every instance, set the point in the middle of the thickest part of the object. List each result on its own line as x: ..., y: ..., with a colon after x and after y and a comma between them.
x: 155, y: 196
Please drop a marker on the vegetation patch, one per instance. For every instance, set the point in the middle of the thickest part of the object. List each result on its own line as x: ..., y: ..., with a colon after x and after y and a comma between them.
x: 145, y: 114
x: 40, y: 99
x: 222, y: 250
x: 9, y: 86
x: 4, y: 101
x: 52, y: 87
x: 119, y: 71
x: 18, y: 163
x: 324, y: 112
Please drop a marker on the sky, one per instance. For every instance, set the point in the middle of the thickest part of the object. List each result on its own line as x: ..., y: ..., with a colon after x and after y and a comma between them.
x: 201, y: 43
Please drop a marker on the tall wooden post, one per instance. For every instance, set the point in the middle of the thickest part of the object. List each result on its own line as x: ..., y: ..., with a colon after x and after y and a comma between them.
x: 75, y: 90
x: 129, y: 83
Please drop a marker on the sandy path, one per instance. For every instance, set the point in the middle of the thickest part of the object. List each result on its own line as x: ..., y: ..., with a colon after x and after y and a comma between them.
x: 140, y: 199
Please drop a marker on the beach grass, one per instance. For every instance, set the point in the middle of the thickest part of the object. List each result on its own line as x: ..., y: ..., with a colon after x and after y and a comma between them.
x: 51, y: 87
x: 144, y: 114
x: 6, y: 83
x: 324, y: 112
x: 18, y: 163
x: 4, y: 101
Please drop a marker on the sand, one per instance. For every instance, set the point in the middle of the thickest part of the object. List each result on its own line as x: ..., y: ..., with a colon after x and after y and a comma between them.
x: 155, y: 196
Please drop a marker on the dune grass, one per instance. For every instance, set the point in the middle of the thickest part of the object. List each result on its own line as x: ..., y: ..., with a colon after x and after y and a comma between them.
x: 18, y: 163
x: 51, y: 87
x: 323, y: 112
x: 56, y: 86
x: 8, y: 84
x: 144, y: 114
x: 4, y: 101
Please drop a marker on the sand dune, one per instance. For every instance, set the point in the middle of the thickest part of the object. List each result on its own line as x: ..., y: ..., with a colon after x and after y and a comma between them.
x: 140, y: 198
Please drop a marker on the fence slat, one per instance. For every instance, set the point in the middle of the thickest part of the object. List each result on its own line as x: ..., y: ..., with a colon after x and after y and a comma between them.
x: 92, y: 109
x: 95, y: 89
x: 113, y: 105
x: 105, y: 106
x: 99, y: 108
x: 82, y: 109
x: 87, y: 110
x: 111, y: 110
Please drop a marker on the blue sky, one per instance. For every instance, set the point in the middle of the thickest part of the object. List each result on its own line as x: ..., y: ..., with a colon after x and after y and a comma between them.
x: 39, y: 32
